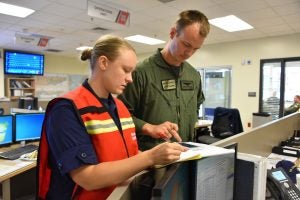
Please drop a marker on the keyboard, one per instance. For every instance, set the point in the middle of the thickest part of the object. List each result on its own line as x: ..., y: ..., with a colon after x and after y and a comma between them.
x: 15, y: 153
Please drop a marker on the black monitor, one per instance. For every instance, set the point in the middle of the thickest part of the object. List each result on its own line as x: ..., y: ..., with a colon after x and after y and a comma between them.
x: 28, y: 126
x: 175, y: 183
x: 30, y: 103
x: 6, y: 130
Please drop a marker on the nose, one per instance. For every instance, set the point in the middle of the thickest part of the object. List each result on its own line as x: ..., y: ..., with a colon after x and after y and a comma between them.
x: 128, y: 78
x: 189, y: 52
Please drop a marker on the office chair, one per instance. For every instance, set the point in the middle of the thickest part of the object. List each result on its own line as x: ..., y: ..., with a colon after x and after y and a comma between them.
x: 227, y: 122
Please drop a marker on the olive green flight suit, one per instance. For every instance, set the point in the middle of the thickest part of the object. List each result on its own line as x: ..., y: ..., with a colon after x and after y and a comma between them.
x: 158, y: 95
x: 291, y: 109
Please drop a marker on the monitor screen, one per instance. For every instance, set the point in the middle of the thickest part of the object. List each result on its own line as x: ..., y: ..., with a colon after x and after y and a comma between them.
x: 28, y: 126
x: 23, y: 63
x: 6, y: 129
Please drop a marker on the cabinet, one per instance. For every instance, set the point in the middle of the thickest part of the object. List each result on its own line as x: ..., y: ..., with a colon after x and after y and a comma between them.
x: 16, y: 87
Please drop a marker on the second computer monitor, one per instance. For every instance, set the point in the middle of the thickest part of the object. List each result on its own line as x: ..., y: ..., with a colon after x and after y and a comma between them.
x: 6, y: 130
x: 28, y: 126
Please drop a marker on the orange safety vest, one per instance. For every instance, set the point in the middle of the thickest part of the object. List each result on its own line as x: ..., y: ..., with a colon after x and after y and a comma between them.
x: 109, y: 142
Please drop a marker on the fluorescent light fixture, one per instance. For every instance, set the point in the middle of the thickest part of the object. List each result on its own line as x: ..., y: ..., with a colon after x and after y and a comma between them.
x: 83, y: 48
x: 13, y: 10
x: 144, y: 39
x: 230, y: 23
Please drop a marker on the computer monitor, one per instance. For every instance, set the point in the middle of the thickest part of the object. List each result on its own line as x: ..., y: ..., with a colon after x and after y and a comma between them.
x: 30, y: 103
x: 251, y: 177
x: 175, y: 183
x: 6, y: 130
x: 28, y: 126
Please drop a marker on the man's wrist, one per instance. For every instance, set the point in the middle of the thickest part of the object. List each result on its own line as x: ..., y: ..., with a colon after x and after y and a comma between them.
x: 146, y: 129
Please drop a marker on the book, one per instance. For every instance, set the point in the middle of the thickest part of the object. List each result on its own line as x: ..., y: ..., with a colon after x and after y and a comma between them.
x: 26, y: 84
x: 198, y: 151
x: 19, y: 85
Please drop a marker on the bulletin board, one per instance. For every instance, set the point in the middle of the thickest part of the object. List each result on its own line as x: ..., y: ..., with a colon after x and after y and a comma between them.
x: 50, y: 86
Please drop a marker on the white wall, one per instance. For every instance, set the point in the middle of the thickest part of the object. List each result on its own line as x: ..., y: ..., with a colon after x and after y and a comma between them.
x: 1, y: 75
x: 245, y: 78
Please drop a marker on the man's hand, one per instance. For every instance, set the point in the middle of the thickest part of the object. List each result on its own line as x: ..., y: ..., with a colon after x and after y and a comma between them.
x: 165, y: 131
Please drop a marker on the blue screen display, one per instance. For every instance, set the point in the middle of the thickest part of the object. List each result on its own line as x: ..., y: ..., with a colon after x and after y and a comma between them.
x: 6, y: 129
x: 278, y: 175
x: 28, y: 126
x: 22, y: 63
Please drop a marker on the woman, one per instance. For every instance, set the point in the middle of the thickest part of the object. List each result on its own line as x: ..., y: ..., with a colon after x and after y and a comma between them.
x: 88, y: 143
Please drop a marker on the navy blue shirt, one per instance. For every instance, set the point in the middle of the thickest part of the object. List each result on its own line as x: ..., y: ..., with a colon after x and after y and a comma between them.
x: 70, y: 148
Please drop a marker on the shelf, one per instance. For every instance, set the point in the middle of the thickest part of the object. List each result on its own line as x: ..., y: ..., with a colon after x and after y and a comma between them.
x: 16, y: 87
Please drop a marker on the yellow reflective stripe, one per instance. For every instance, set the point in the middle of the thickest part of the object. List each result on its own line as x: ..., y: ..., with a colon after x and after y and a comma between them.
x: 127, y: 123
x: 105, y: 126
x: 100, y: 126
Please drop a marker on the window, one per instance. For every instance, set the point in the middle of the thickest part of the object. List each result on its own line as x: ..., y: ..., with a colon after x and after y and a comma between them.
x: 279, y: 83
x: 216, y: 84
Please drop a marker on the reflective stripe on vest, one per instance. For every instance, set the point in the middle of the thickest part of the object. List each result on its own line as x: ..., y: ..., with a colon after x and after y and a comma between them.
x: 104, y: 126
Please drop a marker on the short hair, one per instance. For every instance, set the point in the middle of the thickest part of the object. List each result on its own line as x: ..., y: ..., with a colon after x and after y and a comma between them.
x: 107, y: 45
x: 189, y: 17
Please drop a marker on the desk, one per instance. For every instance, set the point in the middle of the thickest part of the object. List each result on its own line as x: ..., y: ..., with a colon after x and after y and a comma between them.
x: 203, y: 123
x: 11, y: 168
x: 202, y: 128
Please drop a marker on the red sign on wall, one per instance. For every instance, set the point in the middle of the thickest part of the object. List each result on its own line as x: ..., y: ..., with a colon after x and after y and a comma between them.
x: 122, y: 17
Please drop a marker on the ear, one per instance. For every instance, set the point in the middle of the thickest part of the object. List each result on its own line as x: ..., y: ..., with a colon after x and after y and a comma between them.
x: 173, y: 32
x: 103, y: 62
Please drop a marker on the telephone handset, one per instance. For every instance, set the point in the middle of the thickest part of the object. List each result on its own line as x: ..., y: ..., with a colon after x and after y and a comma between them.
x: 280, y: 186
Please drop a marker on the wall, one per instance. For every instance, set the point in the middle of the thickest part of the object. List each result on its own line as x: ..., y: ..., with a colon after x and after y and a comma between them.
x: 245, y: 78
x: 1, y: 75
x: 65, y: 65
x: 55, y: 65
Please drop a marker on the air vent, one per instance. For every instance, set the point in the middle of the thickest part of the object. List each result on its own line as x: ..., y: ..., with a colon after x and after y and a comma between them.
x: 53, y: 50
x: 99, y: 29
x: 165, y: 1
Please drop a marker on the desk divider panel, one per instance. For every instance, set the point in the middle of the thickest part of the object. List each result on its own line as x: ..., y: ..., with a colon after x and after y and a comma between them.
x: 260, y: 140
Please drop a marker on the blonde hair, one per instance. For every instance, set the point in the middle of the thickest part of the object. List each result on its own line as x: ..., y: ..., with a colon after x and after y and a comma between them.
x: 107, y: 45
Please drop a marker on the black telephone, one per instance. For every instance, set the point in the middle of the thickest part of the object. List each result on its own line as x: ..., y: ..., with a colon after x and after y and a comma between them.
x: 280, y: 186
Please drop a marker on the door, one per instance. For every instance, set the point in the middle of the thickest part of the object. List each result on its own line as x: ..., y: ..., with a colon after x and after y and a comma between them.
x: 216, y: 83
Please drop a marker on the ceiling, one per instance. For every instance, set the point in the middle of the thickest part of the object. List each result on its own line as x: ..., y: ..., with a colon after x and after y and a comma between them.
x: 67, y: 24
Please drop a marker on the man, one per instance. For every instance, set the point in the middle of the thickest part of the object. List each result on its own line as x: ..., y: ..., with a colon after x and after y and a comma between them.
x: 294, y: 107
x: 166, y: 92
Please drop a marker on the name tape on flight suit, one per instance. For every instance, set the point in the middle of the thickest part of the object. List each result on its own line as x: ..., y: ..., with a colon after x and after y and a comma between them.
x: 168, y: 84
x: 171, y: 84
